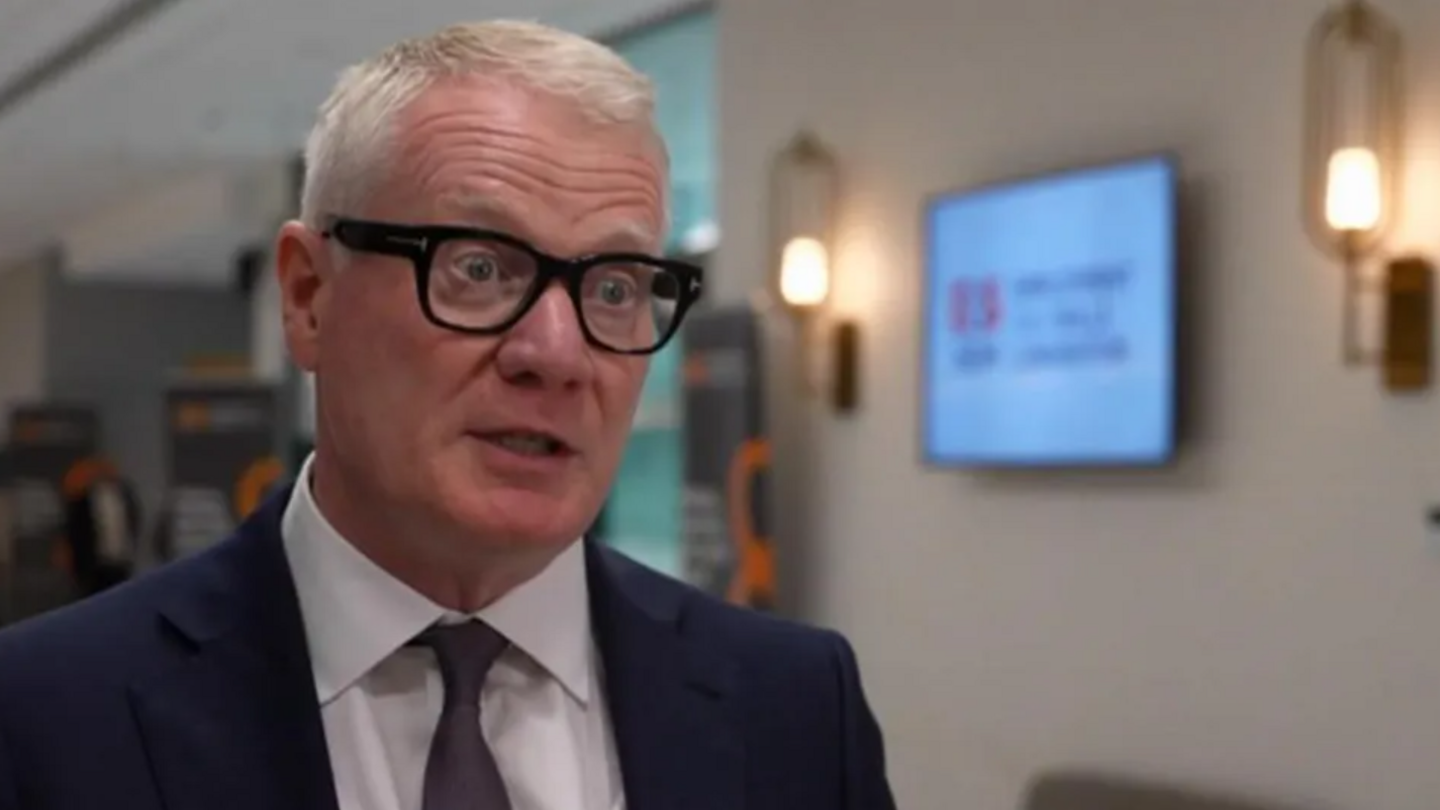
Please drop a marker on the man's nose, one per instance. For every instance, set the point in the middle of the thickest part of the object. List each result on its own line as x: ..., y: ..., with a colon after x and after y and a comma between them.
x: 547, y: 347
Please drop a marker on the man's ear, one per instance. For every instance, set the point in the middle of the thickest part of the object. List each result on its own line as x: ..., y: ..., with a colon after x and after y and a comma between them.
x: 302, y: 266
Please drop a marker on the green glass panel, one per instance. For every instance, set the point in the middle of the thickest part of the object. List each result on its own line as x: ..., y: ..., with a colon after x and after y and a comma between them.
x: 643, y: 516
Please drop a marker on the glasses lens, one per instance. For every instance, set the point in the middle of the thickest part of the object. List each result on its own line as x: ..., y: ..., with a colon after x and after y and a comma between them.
x: 479, y: 283
x: 629, y: 306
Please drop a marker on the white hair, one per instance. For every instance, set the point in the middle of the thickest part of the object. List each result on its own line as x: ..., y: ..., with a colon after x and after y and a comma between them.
x: 355, y: 129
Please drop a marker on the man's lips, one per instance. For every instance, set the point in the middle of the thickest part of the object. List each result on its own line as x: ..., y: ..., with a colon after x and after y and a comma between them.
x: 527, y: 441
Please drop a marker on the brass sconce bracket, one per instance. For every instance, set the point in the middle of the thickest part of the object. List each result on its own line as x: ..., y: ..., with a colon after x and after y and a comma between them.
x: 1405, y: 289
x: 827, y: 359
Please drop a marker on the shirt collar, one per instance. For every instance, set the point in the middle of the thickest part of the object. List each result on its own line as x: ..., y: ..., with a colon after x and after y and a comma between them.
x: 356, y: 614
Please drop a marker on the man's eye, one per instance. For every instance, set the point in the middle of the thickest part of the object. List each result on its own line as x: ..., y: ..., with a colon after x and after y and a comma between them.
x: 616, y: 291
x: 479, y: 268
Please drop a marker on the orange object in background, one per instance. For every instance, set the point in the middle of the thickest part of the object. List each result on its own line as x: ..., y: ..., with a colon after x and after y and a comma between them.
x: 255, y: 483
x: 754, y: 581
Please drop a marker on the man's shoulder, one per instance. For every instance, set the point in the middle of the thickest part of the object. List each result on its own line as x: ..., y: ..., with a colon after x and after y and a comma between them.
x: 109, y: 634
x: 756, y: 637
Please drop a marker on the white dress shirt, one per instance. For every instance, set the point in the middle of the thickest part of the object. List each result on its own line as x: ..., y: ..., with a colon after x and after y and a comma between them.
x: 543, y: 707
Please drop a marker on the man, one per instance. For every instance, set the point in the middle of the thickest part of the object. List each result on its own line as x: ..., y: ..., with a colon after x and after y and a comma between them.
x: 416, y: 625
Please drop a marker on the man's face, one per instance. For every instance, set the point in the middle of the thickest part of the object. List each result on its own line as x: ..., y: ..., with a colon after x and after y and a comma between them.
x: 410, y: 412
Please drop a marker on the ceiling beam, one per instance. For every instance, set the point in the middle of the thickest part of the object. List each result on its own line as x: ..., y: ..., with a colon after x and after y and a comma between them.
x: 79, y: 49
x: 674, y: 11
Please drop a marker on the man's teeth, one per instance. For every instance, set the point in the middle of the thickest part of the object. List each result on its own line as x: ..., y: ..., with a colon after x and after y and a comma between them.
x: 528, y: 444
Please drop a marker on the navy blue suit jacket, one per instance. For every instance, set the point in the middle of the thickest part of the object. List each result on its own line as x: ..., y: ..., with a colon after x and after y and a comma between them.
x: 191, y: 689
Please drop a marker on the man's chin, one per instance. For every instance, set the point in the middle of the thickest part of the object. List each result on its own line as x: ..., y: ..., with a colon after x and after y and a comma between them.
x: 517, y: 517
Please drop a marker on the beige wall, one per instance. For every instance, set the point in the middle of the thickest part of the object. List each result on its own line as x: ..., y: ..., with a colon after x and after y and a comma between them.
x: 1263, y: 618
x: 22, y: 335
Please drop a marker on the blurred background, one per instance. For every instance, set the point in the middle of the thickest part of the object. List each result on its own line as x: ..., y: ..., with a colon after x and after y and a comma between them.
x: 1095, y: 407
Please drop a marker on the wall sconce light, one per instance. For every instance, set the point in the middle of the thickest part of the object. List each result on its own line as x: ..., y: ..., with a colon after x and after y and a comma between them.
x: 805, y: 180
x: 1354, y: 127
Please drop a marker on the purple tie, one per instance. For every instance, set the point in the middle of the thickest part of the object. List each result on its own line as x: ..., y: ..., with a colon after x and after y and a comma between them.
x: 461, y: 773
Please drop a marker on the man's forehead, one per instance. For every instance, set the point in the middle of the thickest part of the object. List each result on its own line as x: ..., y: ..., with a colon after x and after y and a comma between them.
x: 468, y: 140
x: 509, y: 106
x: 477, y: 209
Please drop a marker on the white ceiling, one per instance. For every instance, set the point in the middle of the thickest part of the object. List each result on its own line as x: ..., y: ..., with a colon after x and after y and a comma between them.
x: 203, y: 86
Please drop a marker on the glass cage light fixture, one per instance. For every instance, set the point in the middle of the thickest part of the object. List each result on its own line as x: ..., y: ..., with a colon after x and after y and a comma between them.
x: 804, y: 196
x: 1353, y: 140
x: 804, y: 186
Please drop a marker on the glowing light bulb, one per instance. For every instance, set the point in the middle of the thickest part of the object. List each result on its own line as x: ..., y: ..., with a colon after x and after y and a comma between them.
x: 804, y: 272
x: 1352, y: 192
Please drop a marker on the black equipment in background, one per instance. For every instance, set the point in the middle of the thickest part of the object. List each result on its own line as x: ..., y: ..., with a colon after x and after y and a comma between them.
x: 102, y: 530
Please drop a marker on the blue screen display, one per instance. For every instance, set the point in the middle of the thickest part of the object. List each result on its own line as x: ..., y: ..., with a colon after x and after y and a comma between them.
x: 1050, y: 320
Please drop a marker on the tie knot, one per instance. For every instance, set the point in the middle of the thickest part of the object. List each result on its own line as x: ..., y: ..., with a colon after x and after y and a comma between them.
x: 465, y: 652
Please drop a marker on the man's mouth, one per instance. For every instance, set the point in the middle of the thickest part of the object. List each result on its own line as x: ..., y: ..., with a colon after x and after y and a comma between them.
x: 526, y: 443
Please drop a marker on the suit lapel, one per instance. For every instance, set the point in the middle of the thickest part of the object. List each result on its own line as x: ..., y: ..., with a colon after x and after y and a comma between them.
x: 233, y: 722
x: 678, y: 745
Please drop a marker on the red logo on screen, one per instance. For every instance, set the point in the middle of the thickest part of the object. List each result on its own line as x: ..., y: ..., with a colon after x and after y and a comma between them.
x: 975, y: 306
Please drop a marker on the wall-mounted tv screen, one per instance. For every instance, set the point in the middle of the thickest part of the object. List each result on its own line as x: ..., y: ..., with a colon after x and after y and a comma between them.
x: 1050, y: 320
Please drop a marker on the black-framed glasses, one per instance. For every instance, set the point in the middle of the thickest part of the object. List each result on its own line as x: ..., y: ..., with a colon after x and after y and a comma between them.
x: 482, y: 282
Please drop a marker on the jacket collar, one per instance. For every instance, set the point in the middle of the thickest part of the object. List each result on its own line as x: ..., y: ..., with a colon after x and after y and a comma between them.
x: 231, y: 722
x: 234, y: 722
